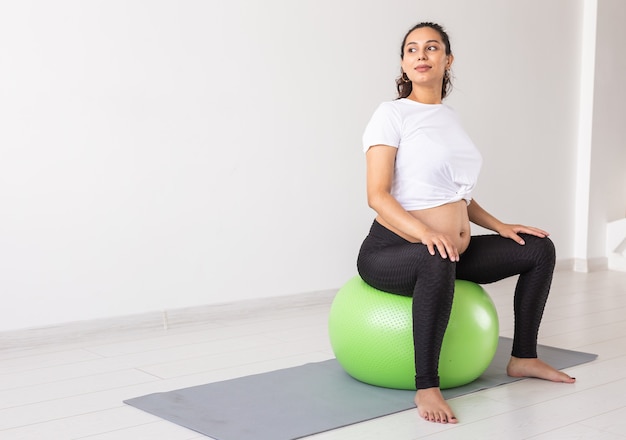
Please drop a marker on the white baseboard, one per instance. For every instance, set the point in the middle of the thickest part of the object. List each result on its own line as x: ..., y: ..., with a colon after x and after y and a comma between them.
x: 108, y: 328
x: 582, y: 265
x: 617, y: 262
x: 564, y: 264
x: 591, y: 264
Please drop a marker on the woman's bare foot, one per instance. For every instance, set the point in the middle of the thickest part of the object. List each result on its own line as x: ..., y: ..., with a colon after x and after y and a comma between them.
x: 533, y: 367
x: 432, y: 406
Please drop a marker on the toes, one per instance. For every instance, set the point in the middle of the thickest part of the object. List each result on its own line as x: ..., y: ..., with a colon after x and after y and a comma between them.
x: 438, y: 417
x: 431, y: 417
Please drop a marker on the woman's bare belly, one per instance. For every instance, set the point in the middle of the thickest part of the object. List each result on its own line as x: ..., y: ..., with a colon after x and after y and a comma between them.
x: 450, y: 219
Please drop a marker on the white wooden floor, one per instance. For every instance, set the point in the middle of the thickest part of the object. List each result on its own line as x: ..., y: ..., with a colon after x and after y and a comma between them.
x: 72, y: 386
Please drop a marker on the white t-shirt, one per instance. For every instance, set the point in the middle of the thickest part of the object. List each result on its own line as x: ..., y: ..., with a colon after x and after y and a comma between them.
x: 436, y: 161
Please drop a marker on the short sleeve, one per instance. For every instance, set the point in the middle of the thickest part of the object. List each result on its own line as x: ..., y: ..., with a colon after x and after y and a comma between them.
x: 383, y: 128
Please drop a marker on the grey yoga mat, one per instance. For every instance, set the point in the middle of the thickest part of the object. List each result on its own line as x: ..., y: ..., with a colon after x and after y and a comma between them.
x: 297, y: 402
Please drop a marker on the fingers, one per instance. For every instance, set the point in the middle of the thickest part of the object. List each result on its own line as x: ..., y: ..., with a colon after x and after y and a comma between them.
x: 517, y: 239
x: 447, y: 250
x: 431, y: 248
x: 512, y: 231
x: 442, y: 245
x: 533, y: 231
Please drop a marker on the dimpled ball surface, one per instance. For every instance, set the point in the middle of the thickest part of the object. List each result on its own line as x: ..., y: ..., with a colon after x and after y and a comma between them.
x: 372, y: 338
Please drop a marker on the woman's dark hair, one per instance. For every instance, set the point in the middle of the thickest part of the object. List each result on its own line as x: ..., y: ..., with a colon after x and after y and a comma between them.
x: 406, y: 87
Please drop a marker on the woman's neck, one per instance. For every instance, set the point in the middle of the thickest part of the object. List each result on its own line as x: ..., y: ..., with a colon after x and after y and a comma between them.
x: 425, y: 95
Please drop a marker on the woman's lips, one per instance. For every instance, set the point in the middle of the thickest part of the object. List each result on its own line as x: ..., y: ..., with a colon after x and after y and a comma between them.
x: 423, y: 68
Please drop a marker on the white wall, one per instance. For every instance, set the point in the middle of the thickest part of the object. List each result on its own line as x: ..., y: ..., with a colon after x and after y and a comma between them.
x: 601, y: 184
x: 608, y: 159
x: 164, y: 154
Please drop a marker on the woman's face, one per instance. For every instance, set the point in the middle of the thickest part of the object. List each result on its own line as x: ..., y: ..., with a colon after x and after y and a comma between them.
x: 425, y: 60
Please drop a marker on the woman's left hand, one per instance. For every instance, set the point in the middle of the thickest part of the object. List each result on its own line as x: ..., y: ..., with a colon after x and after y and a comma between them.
x: 512, y: 231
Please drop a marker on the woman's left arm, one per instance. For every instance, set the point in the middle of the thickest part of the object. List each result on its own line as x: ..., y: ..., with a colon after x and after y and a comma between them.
x: 482, y: 218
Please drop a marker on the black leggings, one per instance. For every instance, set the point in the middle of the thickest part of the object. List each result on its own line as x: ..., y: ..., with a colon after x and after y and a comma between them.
x: 392, y: 264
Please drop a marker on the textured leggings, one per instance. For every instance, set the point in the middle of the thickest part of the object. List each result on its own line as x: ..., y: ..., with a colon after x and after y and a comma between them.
x: 392, y: 264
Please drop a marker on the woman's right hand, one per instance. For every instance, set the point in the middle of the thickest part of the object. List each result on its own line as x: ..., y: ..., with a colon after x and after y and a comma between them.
x: 438, y: 242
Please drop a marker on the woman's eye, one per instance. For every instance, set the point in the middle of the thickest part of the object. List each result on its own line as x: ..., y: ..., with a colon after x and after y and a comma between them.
x: 432, y: 47
x: 411, y: 50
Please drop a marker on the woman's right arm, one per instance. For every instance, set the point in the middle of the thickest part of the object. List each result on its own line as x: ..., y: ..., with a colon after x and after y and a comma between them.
x: 380, y: 168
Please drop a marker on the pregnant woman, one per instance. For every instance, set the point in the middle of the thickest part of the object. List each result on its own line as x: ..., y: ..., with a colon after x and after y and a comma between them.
x: 421, y: 170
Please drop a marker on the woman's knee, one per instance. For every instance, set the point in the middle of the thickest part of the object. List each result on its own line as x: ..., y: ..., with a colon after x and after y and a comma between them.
x: 436, y: 274
x: 435, y: 264
x: 542, y: 248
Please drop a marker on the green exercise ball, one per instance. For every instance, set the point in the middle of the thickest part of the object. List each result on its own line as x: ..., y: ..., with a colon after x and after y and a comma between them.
x: 371, y: 333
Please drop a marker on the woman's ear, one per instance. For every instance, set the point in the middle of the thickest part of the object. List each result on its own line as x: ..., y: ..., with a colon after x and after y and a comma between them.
x: 450, y: 60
